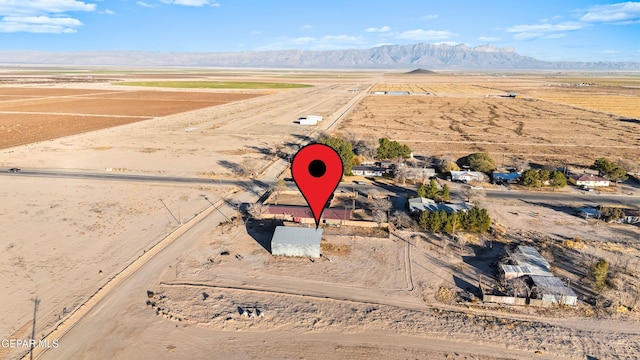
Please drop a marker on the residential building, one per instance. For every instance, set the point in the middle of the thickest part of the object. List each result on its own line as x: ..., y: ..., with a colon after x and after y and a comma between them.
x: 588, y: 180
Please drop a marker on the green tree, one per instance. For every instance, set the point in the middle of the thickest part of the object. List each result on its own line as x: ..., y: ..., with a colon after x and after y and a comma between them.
x: 612, y: 170
x: 422, y: 191
x: 545, y: 176
x: 479, y: 162
x: 557, y: 180
x: 530, y: 178
x: 432, y: 189
x: 604, y: 166
x: 445, y: 193
x: 388, y: 149
x: 599, y: 273
x: 345, y: 151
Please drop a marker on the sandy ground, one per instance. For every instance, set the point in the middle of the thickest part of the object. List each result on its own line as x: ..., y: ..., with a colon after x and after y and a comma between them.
x: 64, y: 239
x: 377, y: 301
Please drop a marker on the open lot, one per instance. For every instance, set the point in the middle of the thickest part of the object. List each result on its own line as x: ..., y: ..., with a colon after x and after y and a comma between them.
x: 375, y: 297
x: 545, y: 123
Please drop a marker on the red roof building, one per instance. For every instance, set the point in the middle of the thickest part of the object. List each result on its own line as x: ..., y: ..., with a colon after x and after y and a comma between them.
x: 304, y: 212
x: 588, y: 180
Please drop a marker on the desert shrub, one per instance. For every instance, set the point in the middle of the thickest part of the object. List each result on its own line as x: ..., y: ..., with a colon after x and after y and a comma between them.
x: 599, y: 273
x: 445, y: 295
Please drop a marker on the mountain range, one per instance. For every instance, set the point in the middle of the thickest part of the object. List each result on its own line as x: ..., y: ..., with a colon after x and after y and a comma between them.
x: 432, y: 56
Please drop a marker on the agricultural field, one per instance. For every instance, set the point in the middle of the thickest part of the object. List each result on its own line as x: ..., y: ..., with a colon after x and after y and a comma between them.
x: 215, y: 84
x: 438, y: 89
x: 543, y: 123
x: 35, y: 114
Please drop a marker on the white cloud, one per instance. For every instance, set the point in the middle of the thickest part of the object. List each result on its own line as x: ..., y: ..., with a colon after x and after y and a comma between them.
x: 621, y: 13
x: 197, y: 3
x: 41, y: 7
x: 328, y: 42
x: 425, y: 35
x: 489, y: 38
x: 39, y: 24
x: 450, y: 43
x: 545, y: 30
x: 610, y: 52
x: 41, y: 16
x: 109, y: 12
x: 144, y: 4
x: 430, y: 17
x: 380, y: 29
x: 546, y: 27
x: 306, y: 27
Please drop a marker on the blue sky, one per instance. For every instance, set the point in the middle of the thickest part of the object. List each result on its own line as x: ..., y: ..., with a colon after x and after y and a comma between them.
x: 548, y: 30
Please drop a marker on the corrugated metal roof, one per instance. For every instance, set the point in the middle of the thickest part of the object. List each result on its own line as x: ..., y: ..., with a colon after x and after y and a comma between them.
x: 424, y: 204
x: 553, y: 290
x: 296, y: 241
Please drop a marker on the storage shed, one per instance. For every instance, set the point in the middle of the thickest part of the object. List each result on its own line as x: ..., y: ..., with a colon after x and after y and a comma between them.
x: 296, y: 241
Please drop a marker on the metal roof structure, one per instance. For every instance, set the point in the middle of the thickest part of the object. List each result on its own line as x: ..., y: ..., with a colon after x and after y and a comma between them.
x: 424, y: 204
x: 553, y: 290
x: 528, y: 262
x: 296, y: 241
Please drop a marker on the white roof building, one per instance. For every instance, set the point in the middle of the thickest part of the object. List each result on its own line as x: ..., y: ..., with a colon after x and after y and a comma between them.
x: 417, y: 205
x: 296, y: 241
x: 467, y: 176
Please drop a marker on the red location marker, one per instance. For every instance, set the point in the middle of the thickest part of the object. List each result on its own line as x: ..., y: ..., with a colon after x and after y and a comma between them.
x: 317, y: 171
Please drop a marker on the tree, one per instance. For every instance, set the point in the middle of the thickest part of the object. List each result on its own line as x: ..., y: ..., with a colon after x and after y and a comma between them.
x: 445, y: 192
x: 481, y: 162
x: 422, y: 191
x: 344, y: 149
x: 388, y: 149
x: 448, y: 165
x: 545, y: 176
x: 599, y: 273
x: 278, y: 188
x: 612, y: 170
x: 530, y: 178
x: 247, y: 167
x: 401, y: 173
x: 432, y: 189
x: 401, y: 219
x: 557, y: 180
x: 379, y: 216
x: 380, y: 204
x: 256, y: 210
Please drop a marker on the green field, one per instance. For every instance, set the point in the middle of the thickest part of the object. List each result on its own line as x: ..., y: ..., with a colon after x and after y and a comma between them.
x: 214, y: 84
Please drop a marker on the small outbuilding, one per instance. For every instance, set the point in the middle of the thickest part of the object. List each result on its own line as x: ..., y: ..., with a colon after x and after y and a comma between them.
x: 296, y: 241
x: 467, y: 176
x: 368, y: 170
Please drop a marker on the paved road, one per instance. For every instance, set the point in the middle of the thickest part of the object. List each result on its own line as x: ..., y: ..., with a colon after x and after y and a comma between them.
x: 588, y: 198
x: 566, y: 198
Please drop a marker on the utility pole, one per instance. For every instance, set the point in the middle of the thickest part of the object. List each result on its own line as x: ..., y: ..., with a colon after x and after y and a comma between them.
x: 36, y: 302
x: 174, y: 217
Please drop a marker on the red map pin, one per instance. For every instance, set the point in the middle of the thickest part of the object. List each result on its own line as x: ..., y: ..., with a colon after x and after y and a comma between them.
x: 317, y: 171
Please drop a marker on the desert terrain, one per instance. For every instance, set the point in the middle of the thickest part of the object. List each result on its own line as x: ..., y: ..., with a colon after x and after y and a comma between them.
x: 151, y: 256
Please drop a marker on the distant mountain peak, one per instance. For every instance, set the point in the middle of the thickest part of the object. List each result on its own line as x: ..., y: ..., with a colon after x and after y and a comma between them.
x: 422, y: 55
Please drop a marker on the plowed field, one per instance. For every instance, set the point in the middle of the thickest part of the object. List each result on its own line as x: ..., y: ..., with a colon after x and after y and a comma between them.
x: 35, y: 114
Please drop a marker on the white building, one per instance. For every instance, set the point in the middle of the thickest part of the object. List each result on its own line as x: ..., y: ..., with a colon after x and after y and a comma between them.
x: 588, y: 180
x: 296, y: 241
x: 307, y: 121
x: 367, y: 170
x: 467, y: 176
